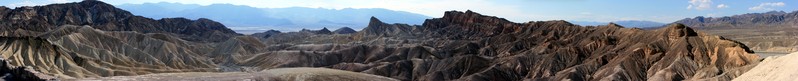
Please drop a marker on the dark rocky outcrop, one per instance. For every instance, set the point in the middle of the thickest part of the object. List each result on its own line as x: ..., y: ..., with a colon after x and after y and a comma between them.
x: 378, y: 28
x: 106, y: 17
x: 344, y: 30
x: 266, y: 34
x: 320, y: 31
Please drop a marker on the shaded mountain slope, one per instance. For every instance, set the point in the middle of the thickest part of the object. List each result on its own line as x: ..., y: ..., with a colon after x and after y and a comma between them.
x: 80, y: 52
x: 18, y: 52
x: 344, y: 30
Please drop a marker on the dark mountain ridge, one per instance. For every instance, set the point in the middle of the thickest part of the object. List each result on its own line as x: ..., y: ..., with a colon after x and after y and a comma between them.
x: 750, y: 20
x: 766, y: 32
x: 104, y: 16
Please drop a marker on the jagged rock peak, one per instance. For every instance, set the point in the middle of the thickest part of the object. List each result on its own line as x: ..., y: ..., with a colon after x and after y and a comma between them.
x: 320, y: 31
x: 266, y: 34
x: 272, y: 31
x: 679, y: 30
x: 374, y: 19
x: 612, y: 24
x: 95, y: 4
x: 324, y: 29
x: 562, y: 22
x: 374, y: 22
x: 676, y: 26
x: 470, y: 16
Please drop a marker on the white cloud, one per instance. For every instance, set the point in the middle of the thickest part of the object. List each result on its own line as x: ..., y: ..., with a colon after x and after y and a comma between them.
x: 699, y: 4
x: 722, y: 6
x: 767, y: 6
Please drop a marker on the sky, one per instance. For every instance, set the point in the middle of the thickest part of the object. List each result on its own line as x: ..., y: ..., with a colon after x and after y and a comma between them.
x: 664, y: 11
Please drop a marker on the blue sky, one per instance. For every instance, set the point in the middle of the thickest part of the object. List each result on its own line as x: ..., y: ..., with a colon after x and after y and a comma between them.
x: 515, y: 10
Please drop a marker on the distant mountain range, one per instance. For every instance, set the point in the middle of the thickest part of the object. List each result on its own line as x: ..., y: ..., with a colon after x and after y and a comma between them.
x: 244, y: 19
x: 625, y: 23
x: 769, y: 31
x: 750, y: 20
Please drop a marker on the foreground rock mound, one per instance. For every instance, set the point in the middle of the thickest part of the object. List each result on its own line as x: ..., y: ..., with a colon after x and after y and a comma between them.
x: 781, y: 68
x: 80, y: 52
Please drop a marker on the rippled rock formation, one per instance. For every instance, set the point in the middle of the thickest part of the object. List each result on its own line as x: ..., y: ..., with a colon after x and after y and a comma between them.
x: 470, y: 46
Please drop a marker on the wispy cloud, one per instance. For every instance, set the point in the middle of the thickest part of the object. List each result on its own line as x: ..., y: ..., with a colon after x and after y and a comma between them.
x: 767, y: 6
x: 699, y: 4
x: 722, y: 6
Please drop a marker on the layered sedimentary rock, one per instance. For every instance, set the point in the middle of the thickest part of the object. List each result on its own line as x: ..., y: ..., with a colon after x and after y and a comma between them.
x: 80, y: 52
x: 470, y: 46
